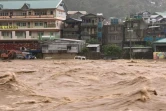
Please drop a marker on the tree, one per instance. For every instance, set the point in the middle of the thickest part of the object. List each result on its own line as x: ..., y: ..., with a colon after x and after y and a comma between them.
x: 92, y: 41
x: 84, y: 50
x: 112, y: 50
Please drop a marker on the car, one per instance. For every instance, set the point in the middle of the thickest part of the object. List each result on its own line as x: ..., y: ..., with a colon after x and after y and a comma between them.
x: 80, y: 57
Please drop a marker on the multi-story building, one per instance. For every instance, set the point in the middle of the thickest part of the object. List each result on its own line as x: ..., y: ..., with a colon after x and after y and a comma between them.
x: 31, y: 20
x: 76, y: 14
x: 72, y: 25
x: 113, y: 34
x: 91, y: 26
x: 135, y: 31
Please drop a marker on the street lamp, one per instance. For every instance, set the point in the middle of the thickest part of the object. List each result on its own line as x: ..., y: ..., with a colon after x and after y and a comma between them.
x: 130, y: 30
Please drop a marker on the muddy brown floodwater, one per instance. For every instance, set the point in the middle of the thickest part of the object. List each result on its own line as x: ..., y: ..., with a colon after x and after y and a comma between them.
x: 73, y: 85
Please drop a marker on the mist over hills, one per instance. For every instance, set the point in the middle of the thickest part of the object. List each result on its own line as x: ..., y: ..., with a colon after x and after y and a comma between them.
x: 113, y: 8
x: 116, y: 8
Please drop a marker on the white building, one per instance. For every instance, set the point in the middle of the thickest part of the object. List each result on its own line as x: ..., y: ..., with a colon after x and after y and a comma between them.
x: 31, y: 19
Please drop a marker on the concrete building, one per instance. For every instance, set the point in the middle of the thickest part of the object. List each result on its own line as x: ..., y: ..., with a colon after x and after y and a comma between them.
x: 91, y: 26
x: 135, y: 31
x: 62, y: 48
x: 113, y: 33
x: 72, y: 25
x: 29, y: 20
x: 76, y: 14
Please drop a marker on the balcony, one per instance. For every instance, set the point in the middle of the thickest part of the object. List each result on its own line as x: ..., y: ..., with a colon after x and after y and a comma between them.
x: 7, y: 28
x: 26, y: 17
x: 17, y: 38
x: 89, y: 24
x: 88, y: 34
x: 71, y: 36
x: 71, y: 29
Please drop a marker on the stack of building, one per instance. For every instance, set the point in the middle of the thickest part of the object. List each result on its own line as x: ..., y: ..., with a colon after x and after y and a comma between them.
x: 47, y: 24
x: 27, y: 22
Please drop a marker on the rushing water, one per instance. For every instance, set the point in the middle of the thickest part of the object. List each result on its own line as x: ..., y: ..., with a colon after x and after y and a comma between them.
x: 70, y: 85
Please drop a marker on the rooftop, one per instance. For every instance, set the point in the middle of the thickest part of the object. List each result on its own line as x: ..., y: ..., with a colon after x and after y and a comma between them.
x: 73, y: 12
x: 93, y: 45
x: 163, y: 14
x: 32, y: 4
x: 160, y: 41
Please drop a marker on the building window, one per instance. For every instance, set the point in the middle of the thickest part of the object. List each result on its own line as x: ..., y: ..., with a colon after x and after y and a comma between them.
x: 51, y: 12
x: 5, y: 34
x: 112, y: 28
x: 119, y: 28
x: 19, y: 34
x: 4, y: 14
x: 24, y: 13
x: 41, y: 13
x: 38, y: 23
x: 115, y: 37
x: 21, y: 24
x: 40, y: 34
x: 30, y: 33
x: 51, y: 33
x: 37, y: 13
x: 44, y: 13
x: 10, y: 24
x: 29, y: 13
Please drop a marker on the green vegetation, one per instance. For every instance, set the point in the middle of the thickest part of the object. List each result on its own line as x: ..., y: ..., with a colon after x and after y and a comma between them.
x: 92, y: 41
x: 85, y: 50
x: 112, y: 50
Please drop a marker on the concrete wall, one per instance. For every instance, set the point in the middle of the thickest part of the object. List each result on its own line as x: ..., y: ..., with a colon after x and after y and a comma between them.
x: 60, y: 13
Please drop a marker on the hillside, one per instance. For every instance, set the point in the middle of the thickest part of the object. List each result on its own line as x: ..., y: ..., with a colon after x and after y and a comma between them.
x: 117, y: 8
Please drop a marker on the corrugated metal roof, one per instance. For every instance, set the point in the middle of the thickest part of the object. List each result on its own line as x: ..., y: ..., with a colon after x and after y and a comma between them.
x: 161, y: 41
x: 163, y: 14
x: 34, y: 4
x: 154, y: 16
x: 93, y: 45
x: 73, y: 12
x: 137, y: 47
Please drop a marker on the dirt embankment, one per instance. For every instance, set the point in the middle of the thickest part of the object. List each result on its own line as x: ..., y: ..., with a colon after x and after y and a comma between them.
x: 69, y: 85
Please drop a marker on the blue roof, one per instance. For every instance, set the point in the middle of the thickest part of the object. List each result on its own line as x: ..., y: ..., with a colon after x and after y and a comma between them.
x: 161, y: 41
x: 34, y: 4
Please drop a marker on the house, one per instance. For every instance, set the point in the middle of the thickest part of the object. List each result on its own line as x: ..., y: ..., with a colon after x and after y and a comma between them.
x: 113, y: 33
x: 71, y: 28
x: 62, y: 48
x: 135, y: 31
x: 72, y: 25
x: 31, y: 20
x: 91, y: 26
x: 76, y: 14
x: 145, y: 15
x: 159, y: 49
x: 155, y: 19
x: 160, y: 45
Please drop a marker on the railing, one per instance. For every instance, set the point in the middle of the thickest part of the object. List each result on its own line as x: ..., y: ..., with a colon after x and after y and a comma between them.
x: 17, y: 38
x: 71, y: 36
x: 89, y: 24
x: 70, y: 29
x: 88, y: 34
x: 155, y: 32
x: 26, y: 16
x: 31, y: 27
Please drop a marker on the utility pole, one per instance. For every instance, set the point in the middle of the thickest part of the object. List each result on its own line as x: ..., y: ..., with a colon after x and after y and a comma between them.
x: 130, y: 34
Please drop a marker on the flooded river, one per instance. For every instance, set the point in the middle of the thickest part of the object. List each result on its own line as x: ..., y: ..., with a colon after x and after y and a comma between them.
x: 73, y: 85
